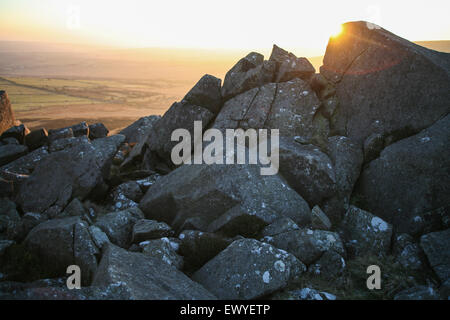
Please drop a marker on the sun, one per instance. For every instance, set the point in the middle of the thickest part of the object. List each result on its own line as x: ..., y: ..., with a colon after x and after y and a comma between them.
x: 337, y: 32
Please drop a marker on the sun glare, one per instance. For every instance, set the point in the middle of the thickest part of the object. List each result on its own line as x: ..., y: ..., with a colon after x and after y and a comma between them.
x: 337, y: 32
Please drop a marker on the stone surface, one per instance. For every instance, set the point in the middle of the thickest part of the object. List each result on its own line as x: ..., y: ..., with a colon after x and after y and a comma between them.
x: 161, y: 249
x: 118, y: 226
x: 150, y: 229
x: 36, y: 139
x: 146, y: 278
x: 365, y: 233
x: 248, y: 269
x: 418, y: 293
x: 60, y: 243
x: 6, y: 112
x: 139, y: 129
x: 26, y: 164
x: 206, y: 93
x: 239, y: 193
x: 385, y: 84
x: 418, y: 164
x: 407, y: 252
x: 11, y: 152
x: 435, y: 246
x: 98, y: 130
x: 306, y: 244
x: 289, y: 66
x: 320, y: 219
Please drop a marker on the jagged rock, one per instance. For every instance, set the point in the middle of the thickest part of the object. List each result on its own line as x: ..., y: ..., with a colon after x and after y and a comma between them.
x: 147, y: 182
x: 198, y: 247
x: 347, y: 159
x: 6, y: 188
x: 311, y: 294
x: 118, y: 226
x: 330, y: 267
x: 365, y: 233
x: 9, y: 140
x: 4, y: 245
x: 307, y: 170
x: 98, y: 130
x: 239, y: 193
x: 417, y: 293
x: 436, y: 248
x: 36, y: 139
x: 11, y: 152
x: 56, y: 134
x: 324, y: 90
x: 150, y: 229
x: 329, y: 106
x: 8, y: 214
x: 248, y: 73
x: 289, y: 66
x: 162, y: 250
x: 19, y: 230
x: 373, y: 146
x: 26, y: 164
x: 73, y: 172
x: 320, y: 219
x: 17, y: 132
x: 74, y: 209
x: 98, y: 236
x: 6, y: 113
x: 180, y: 115
x: 370, y: 66
x: 81, y: 129
x: 417, y: 164
x: 306, y: 244
x: 60, y: 243
x: 138, y: 130
x: 248, y: 269
x: 131, y: 190
x: 146, y: 278
x: 407, y: 252
x: 66, y: 143
x: 281, y: 225
x: 206, y: 93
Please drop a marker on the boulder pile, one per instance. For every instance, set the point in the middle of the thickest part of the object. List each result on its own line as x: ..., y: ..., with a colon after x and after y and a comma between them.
x: 364, y: 179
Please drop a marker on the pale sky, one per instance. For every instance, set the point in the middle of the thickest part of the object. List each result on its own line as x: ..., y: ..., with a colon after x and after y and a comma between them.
x: 213, y: 24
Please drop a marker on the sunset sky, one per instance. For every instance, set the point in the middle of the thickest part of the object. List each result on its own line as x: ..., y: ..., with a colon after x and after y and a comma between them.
x: 211, y: 24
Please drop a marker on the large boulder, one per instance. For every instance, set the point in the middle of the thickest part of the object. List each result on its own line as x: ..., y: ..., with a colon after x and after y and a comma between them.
x: 11, y: 152
x: 235, y: 199
x: 73, y: 172
x: 365, y: 233
x: 385, y: 84
x: 410, y: 178
x: 289, y: 107
x: 289, y: 66
x: 6, y: 113
x: 146, y: 278
x: 27, y: 163
x: 138, y: 130
x: 436, y: 248
x: 248, y: 73
x: 206, y: 93
x: 60, y: 243
x: 249, y: 269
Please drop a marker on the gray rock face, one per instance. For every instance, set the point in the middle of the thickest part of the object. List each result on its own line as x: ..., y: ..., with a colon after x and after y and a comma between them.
x: 11, y: 152
x: 126, y: 195
x: 365, y: 233
x: 56, y: 134
x: 320, y: 219
x: 98, y: 130
x: 331, y: 266
x: 418, y: 164
x: 198, y: 247
x: 6, y: 113
x: 118, y: 226
x: 74, y: 209
x: 281, y: 225
x: 161, y: 249
x: 307, y: 170
x: 16, y: 132
x: 289, y: 107
x: 248, y: 73
x: 146, y: 278
x: 289, y: 66
x: 206, y: 93
x: 8, y: 214
x: 248, y: 269
x: 26, y: 164
x: 385, y: 84
x: 407, y: 252
x: 307, y: 245
x: 138, y: 130
x: 74, y: 172
x: 150, y: 229
x: 237, y: 192
x: 436, y: 248
x: 180, y: 115
x: 36, y: 139
x: 418, y: 293
x: 311, y: 294
x: 62, y: 242
x: 66, y: 143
